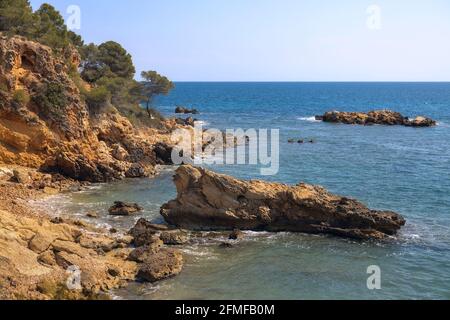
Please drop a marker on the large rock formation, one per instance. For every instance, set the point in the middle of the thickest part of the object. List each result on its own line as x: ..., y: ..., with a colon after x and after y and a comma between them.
x: 211, y: 201
x: 45, y: 123
x: 385, y: 117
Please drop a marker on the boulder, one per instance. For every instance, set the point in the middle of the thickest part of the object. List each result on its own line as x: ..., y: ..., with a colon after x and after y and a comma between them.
x: 162, y: 265
x: 92, y: 214
x: 190, y: 121
x: 119, y: 153
x: 176, y: 237
x: 139, y: 170
x: 124, y: 209
x: 236, y: 235
x: 163, y: 153
x: 211, y: 201
x: 21, y: 176
x: 226, y: 245
x: 40, y: 242
x: 145, y: 226
x: 144, y: 231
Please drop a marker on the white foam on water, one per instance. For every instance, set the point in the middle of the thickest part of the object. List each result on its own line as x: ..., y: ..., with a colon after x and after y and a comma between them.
x: 199, y: 252
x: 202, y: 123
x: 442, y: 124
x: 309, y: 119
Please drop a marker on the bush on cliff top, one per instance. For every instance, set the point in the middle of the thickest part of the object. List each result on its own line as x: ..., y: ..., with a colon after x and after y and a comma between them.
x: 108, y: 68
x: 46, y: 25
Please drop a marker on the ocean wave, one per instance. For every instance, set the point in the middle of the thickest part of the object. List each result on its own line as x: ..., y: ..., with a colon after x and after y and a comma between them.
x: 309, y: 119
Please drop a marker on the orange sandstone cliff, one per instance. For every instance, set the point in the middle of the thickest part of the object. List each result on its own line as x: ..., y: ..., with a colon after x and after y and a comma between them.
x: 45, y: 124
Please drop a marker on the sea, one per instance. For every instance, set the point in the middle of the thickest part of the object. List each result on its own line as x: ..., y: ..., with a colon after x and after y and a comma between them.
x: 396, y: 168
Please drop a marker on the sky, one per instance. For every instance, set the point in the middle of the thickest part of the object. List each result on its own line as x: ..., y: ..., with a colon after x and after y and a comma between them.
x: 275, y: 40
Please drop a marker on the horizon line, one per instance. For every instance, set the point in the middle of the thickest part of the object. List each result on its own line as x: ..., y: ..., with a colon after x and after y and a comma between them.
x: 312, y: 81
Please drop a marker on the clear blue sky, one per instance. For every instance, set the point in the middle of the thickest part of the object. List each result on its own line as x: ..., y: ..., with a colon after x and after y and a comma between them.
x: 274, y: 40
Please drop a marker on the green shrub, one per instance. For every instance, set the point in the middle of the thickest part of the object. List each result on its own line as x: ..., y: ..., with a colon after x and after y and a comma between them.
x: 52, y: 100
x: 21, y: 97
x: 97, y: 98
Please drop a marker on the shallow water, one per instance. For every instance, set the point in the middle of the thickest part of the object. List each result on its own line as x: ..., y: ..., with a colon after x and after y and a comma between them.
x: 394, y: 168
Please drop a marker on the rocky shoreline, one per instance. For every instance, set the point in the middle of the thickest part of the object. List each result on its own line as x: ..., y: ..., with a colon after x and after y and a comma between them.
x: 37, y: 250
x: 383, y: 117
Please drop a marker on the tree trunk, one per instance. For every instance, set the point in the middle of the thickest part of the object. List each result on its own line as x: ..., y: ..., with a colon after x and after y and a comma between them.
x: 148, y: 108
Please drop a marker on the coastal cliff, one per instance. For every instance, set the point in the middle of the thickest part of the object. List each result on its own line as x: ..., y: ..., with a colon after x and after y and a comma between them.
x: 51, y: 141
x: 211, y: 201
x: 46, y: 124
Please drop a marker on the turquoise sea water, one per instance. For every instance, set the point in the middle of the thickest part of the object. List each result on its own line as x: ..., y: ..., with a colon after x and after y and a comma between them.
x: 396, y: 168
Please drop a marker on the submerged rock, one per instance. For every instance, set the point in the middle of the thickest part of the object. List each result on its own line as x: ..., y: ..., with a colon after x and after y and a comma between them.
x: 226, y: 245
x: 92, y: 214
x: 143, y: 253
x: 124, y: 209
x: 385, y: 117
x: 211, y: 201
x: 236, y: 235
x: 21, y: 176
x: 156, y: 262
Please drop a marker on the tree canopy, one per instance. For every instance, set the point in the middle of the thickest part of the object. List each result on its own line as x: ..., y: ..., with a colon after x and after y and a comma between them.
x: 154, y: 84
x: 16, y: 17
x: 46, y: 25
x: 108, y: 68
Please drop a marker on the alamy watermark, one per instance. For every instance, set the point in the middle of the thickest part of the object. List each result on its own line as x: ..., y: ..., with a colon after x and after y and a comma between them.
x: 73, y: 281
x: 374, y: 280
x: 374, y: 17
x: 230, y: 147
x: 73, y: 20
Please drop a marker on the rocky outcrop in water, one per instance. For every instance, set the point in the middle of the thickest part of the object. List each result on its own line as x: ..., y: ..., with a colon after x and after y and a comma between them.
x: 124, y: 209
x: 384, y: 117
x: 211, y: 201
x: 156, y: 262
x: 185, y: 110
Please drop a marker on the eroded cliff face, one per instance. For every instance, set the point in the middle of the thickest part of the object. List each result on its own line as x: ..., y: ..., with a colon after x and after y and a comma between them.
x: 211, y: 201
x: 44, y: 122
